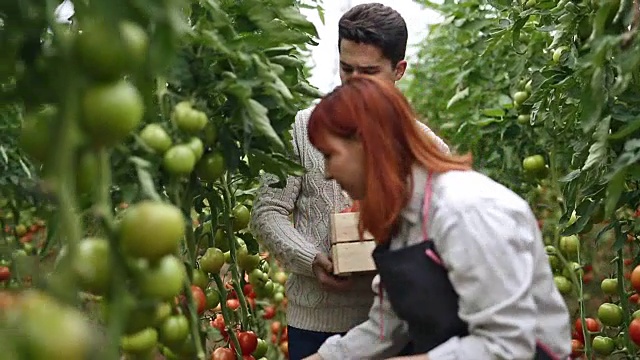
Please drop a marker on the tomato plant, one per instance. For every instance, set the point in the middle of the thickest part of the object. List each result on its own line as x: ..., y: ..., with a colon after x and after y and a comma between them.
x: 555, y: 120
x: 133, y: 139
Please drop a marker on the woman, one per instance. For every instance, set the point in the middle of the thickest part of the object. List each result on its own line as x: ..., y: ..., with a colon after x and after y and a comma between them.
x: 462, y: 268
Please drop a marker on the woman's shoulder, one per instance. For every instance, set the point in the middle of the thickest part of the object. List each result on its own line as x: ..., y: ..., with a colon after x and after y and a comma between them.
x: 462, y: 191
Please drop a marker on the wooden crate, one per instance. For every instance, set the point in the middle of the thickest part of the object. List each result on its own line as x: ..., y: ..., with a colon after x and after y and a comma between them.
x: 348, y: 253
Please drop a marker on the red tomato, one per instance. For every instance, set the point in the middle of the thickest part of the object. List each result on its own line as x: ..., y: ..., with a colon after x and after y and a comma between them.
x: 252, y: 302
x: 5, y: 273
x: 577, y: 348
x: 634, y: 331
x: 233, y: 304
x: 218, y: 323
x: 275, y: 327
x: 269, y: 312
x: 200, y: 298
x: 634, y: 299
x: 628, y: 261
x: 248, y: 341
x: 248, y: 357
x: 247, y: 289
x: 284, y: 347
x: 592, y: 325
x: 223, y: 354
x: 635, y: 278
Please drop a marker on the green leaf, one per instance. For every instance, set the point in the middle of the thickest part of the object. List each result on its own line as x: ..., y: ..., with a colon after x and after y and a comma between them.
x: 598, y: 150
x: 145, y: 178
x: 493, y: 112
x: 614, y: 190
x: 257, y: 115
x: 460, y: 95
x: 626, y: 130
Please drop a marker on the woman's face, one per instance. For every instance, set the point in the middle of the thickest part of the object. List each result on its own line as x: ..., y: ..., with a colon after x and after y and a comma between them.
x: 344, y: 163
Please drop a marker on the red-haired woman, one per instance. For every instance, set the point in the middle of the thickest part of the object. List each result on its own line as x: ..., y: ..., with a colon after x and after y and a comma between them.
x: 462, y: 270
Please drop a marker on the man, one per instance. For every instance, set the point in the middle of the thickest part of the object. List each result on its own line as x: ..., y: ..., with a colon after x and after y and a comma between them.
x: 372, y: 40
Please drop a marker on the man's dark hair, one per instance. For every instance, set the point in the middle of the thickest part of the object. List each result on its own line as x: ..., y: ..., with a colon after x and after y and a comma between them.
x: 377, y: 25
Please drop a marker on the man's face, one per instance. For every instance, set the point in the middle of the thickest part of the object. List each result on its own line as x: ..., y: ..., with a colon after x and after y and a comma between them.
x: 364, y: 59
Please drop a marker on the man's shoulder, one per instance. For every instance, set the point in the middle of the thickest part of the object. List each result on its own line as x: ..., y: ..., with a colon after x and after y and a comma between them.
x: 302, y: 116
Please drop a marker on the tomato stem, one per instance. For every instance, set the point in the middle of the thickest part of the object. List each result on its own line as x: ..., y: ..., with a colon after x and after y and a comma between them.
x: 118, y: 291
x: 194, y: 320
x: 624, y: 300
x: 226, y: 315
x: 228, y: 198
x: 62, y: 171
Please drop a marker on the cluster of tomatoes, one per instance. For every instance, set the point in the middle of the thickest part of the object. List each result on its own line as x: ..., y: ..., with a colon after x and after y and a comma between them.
x: 606, y: 334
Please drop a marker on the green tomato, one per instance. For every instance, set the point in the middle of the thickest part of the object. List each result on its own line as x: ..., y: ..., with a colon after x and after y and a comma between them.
x: 155, y: 137
x: 213, y: 297
x: 141, y: 342
x: 609, y: 286
x: 570, y: 245
x: 533, y: 164
x: 524, y: 119
x: 603, y: 345
x: 200, y: 279
x: 164, y: 279
x: 610, y: 314
x: 179, y: 160
x: 188, y: 119
x: 197, y: 147
x: 261, y: 349
x: 212, y: 260
x: 211, y: 167
x: 520, y: 97
x: 111, y: 111
x: 151, y: 229
x: 174, y: 329
x: 92, y: 265
x: 241, y: 217
x: 563, y: 284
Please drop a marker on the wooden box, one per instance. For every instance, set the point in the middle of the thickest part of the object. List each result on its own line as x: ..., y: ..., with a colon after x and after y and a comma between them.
x: 348, y: 253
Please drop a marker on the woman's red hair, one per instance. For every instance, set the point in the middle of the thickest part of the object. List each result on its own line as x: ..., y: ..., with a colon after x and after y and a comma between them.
x: 376, y: 113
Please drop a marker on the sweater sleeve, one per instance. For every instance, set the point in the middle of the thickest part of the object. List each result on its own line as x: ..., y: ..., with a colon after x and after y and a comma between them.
x: 270, y: 219
x: 383, y: 335
x: 439, y: 142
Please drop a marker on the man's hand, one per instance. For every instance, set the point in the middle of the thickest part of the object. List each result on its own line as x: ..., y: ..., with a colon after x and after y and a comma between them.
x: 323, y: 270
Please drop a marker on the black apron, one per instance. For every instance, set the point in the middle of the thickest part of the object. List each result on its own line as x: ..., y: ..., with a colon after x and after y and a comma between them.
x: 421, y: 294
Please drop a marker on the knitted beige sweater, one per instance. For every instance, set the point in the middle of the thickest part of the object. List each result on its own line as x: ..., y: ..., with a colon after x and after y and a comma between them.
x: 310, y: 199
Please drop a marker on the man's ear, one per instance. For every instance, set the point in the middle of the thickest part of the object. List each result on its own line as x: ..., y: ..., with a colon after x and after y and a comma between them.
x: 401, y: 67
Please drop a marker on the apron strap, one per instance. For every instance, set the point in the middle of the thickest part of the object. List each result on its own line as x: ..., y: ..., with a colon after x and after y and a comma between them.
x: 426, y: 206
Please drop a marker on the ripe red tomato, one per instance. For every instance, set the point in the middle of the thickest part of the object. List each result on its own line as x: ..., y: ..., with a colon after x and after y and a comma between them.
x: 5, y: 273
x: 248, y: 341
x: 219, y: 324
x: 200, y: 298
x: 635, y: 278
x: 275, y: 327
x: 634, y: 331
x: 634, y: 299
x: 269, y: 312
x: 223, y: 354
x: 247, y: 289
x: 248, y: 357
x: 592, y: 325
x: 233, y: 304
x: 577, y: 348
